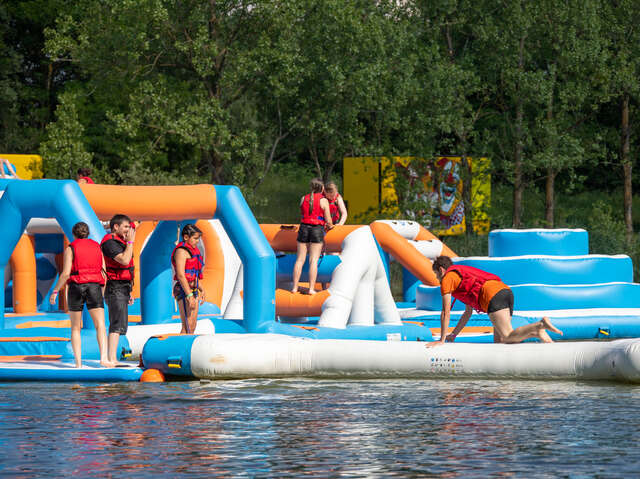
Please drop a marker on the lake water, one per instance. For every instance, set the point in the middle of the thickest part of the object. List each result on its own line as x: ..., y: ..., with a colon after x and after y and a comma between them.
x: 280, y: 428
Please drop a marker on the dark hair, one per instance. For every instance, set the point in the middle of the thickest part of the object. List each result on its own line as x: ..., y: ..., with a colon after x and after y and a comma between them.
x: 316, y: 187
x: 330, y: 186
x: 442, y: 261
x: 118, y: 220
x: 80, y: 230
x: 189, y: 230
x: 84, y: 171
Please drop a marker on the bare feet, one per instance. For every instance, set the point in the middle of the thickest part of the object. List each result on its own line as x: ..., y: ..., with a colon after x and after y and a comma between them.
x: 544, y: 336
x: 294, y: 290
x: 107, y: 364
x: 311, y: 291
x: 550, y: 327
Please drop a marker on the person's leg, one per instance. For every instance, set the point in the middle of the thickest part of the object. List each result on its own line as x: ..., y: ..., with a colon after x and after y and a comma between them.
x: 297, y: 267
x: 117, y: 297
x: 315, y: 249
x: 502, y: 324
x: 97, y: 315
x: 76, y: 341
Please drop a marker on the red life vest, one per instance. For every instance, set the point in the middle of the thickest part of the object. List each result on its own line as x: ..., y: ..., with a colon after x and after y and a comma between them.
x: 115, y: 270
x: 316, y: 217
x: 87, y: 262
x: 193, y: 266
x: 334, y: 210
x: 87, y: 179
x: 468, y: 291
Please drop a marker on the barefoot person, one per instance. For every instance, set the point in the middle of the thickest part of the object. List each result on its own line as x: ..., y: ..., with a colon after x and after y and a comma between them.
x: 336, y: 204
x: 187, y: 266
x: 316, y: 216
x: 117, y: 248
x: 82, y: 270
x: 485, y: 292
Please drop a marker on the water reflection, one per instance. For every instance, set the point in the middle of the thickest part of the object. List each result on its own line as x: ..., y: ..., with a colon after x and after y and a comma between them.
x: 320, y: 429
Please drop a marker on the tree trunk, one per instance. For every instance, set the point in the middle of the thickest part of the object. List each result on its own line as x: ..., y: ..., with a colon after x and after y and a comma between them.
x: 626, y: 167
x: 216, y: 167
x: 550, y: 199
x: 518, y: 184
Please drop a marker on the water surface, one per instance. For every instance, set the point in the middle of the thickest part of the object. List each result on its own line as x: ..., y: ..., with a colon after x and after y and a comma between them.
x: 276, y: 428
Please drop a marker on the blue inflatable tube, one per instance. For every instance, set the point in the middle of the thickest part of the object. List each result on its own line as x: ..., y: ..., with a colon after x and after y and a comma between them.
x: 589, y: 269
x: 258, y: 258
x: 560, y: 242
x: 23, y: 200
x: 66, y: 372
x: 326, y: 265
x: 535, y: 297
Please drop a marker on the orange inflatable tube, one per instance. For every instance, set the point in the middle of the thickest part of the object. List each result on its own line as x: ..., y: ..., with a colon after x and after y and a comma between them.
x: 23, y: 264
x: 407, y: 255
x: 152, y: 202
x: 297, y: 304
x: 283, y: 237
x: 213, y: 273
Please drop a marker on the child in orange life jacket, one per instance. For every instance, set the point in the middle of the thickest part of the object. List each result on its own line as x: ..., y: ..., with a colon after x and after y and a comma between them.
x: 187, y: 266
x: 485, y: 292
x: 316, y: 216
x: 117, y: 247
x: 336, y: 204
x: 82, y: 270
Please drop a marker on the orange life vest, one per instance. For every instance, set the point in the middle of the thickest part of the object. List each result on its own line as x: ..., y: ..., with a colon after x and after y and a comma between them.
x: 87, y: 262
x: 115, y: 270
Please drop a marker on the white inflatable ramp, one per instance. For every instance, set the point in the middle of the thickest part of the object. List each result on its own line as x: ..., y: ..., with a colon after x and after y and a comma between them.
x: 227, y: 356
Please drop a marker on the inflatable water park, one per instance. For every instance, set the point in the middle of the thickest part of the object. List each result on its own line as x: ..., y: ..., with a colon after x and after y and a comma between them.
x: 253, y: 326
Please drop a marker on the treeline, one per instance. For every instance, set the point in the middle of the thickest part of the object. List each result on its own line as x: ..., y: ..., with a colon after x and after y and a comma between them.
x: 174, y: 91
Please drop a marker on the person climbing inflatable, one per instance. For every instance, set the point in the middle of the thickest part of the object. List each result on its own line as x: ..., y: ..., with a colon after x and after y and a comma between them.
x: 484, y: 292
x: 187, y: 264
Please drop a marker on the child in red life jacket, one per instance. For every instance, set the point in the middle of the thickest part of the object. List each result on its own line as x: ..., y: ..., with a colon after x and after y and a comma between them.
x: 316, y: 216
x: 83, y: 176
x: 117, y: 248
x: 82, y: 270
x: 484, y: 292
x: 187, y: 266
x: 336, y: 204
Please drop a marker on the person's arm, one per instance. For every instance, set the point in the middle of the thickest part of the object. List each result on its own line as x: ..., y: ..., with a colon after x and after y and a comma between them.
x: 324, y: 204
x: 343, y: 211
x: 125, y: 257
x: 462, y: 322
x: 67, y: 263
x: 181, y: 257
x: 444, y: 321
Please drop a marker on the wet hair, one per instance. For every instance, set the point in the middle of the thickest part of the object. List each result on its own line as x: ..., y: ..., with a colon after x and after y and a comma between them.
x: 84, y: 171
x: 316, y: 187
x: 190, y: 230
x: 442, y: 261
x: 80, y: 230
x: 118, y: 220
x: 330, y: 186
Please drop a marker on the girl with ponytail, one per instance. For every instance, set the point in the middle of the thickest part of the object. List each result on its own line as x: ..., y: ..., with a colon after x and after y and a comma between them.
x: 315, y: 217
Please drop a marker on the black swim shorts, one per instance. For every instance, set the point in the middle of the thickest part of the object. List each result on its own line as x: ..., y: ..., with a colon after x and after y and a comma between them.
x: 116, y: 295
x: 501, y: 300
x: 80, y: 293
x: 310, y: 233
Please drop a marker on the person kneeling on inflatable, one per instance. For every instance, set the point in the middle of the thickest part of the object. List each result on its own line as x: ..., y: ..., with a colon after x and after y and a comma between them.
x: 187, y: 264
x: 483, y: 292
x: 82, y: 271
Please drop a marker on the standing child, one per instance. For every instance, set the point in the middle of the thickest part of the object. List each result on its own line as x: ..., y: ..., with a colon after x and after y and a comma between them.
x: 315, y: 213
x: 336, y: 204
x: 82, y: 269
x: 187, y: 266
